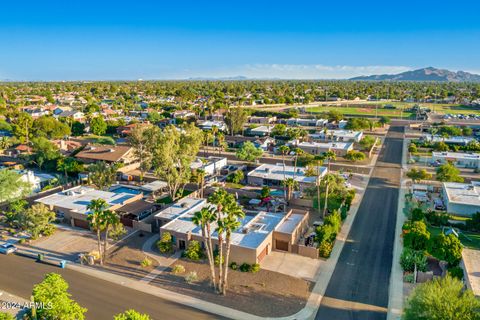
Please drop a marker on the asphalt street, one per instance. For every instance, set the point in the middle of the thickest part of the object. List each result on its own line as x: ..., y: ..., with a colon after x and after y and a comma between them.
x: 103, y: 299
x: 359, y: 285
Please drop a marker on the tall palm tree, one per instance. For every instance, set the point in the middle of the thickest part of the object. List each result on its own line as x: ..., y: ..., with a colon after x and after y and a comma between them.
x: 95, y: 218
x: 204, y: 218
x: 298, y: 152
x: 329, y: 156
x: 218, y: 198
x: 221, y: 141
x: 110, y: 219
x: 317, y: 163
x: 214, y: 134
x: 291, y: 185
x: 229, y: 224
x: 284, y: 150
x: 200, y: 175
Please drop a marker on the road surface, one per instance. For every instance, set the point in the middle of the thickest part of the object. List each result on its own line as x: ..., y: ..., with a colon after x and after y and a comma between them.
x: 102, y: 299
x: 359, y: 285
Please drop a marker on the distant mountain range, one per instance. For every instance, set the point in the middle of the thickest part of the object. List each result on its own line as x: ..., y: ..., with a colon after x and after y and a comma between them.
x: 424, y: 74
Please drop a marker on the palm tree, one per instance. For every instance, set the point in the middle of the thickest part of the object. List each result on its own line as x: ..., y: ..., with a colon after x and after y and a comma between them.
x: 214, y: 134
x: 110, y: 219
x: 95, y: 218
x: 284, y: 150
x: 317, y: 163
x: 221, y: 141
x: 204, y: 218
x: 5, y: 143
x: 329, y: 156
x: 218, y: 198
x: 200, y: 175
x: 229, y: 224
x: 298, y: 152
x: 291, y: 185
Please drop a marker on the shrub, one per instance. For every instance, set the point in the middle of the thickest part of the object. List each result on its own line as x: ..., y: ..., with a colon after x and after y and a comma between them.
x: 437, y: 218
x: 191, y: 277
x: 194, y: 251
x: 245, y: 267
x: 6, y: 316
x: 325, y: 249
x: 255, y: 268
x: 217, y: 259
x: 326, y: 232
x: 233, y: 266
x: 410, y: 258
x: 409, y: 277
x: 416, y: 235
x: 178, y: 268
x: 146, y: 262
x: 165, y: 244
x: 447, y: 248
x: 456, y: 272
x: 417, y: 214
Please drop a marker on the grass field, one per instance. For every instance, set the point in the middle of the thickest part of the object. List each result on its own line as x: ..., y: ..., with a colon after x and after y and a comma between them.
x: 368, y: 108
x: 468, y: 239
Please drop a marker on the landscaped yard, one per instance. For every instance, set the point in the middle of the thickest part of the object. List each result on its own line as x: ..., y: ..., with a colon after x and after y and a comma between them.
x: 468, y: 239
x: 265, y: 293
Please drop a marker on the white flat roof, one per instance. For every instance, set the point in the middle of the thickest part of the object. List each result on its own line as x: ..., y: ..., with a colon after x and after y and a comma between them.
x: 337, y: 133
x: 78, y: 198
x: 457, y: 155
x: 454, y: 139
x: 181, y: 207
x: 324, y: 145
x: 263, y: 129
x: 462, y: 193
x: 290, y: 223
x: 154, y: 185
x: 276, y: 172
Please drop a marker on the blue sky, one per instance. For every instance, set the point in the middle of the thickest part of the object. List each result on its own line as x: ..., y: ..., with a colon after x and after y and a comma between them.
x: 103, y: 40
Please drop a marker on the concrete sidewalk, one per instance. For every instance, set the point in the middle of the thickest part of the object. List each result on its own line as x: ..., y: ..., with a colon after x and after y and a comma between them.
x: 163, y: 262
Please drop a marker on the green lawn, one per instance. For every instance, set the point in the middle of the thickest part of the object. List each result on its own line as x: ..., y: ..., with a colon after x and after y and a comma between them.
x: 468, y: 239
x: 368, y: 108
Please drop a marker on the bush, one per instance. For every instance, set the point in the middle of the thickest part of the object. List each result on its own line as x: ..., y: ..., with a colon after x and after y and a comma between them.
x: 245, y: 267
x: 447, y: 248
x: 191, y: 277
x: 233, y: 266
x: 417, y: 214
x: 325, y: 249
x: 178, y: 268
x: 194, y: 251
x: 410, y: 258
x: 165, y: 244
x: 437, y: 218
x: 326, y: 232
x: 6, y: 316
x: 456, y: 272
x: 416, y: 235
x: 409, y: 277
x: 255, y: 268
x: 146, y: 262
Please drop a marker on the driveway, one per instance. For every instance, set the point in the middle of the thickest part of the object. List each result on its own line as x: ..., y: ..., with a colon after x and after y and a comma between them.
x: 291, y: 264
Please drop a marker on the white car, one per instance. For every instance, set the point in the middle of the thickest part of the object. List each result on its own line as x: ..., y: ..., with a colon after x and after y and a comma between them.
x: 7, y: 248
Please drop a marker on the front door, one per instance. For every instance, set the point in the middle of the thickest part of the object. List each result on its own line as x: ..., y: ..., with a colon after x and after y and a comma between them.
x: 181, y: 244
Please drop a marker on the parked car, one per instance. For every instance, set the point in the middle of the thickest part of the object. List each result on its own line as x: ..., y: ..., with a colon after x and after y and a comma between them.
x: 7, y: 248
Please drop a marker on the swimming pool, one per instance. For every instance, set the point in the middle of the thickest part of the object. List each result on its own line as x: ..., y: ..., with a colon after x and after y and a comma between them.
x: 124, y: 189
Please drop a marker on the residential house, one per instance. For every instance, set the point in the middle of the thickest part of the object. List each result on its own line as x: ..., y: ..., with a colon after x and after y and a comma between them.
x: 459, y: 159
x: 208, y: 125
x: 337, y: 135
x: 211, y: 165
x: 462, y: 198
x: 317, y: 148
x: 119, y: 154
x: 455, y: 140
x: 261, y: 131
x: 262, y: 120
x: 275, y: 174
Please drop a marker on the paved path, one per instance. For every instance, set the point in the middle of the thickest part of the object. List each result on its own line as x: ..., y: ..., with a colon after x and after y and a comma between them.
x: 359, y: 286
x: 163, y: 262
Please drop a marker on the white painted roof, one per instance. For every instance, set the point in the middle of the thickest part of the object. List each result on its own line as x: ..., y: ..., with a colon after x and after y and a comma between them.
x: 333, y: 145
x: 181, y: 207
x: 463, y: 193
x: 276, y: 172
x: 456, y: 155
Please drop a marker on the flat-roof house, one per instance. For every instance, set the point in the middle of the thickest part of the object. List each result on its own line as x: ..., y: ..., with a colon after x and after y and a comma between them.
x: 461, y: 198
x: 210, y: 165
x: 183, y: 114
x: 274, y: 175
x: 260, y: 131
x: 265, y: 143
x: 72, y: 114
x: 111, y: 154
x: 317, y: 148
x: 258, y: 234
x: 459, y: 159
x: 209, y: 124
x: 337, y: 135
x: 307, y: 122
x: 458, y: 140
x: 262, y: 120
x: 72, y: 204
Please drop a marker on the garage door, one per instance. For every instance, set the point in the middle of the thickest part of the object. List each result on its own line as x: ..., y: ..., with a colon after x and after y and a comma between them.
x: 281, y: 245
x: 81, y: 223
x: 262, y: 254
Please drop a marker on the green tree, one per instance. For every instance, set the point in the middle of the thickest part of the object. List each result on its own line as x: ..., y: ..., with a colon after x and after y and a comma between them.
x: 447, y: 248
x: 165, y: 244
x: 417, y: 174
x: 248, y: 152
x: 204, y: 219
x: 22, y: 126
x: 235, y: 118
x: 131, y: 315
x: 110, y: 220
x: 50, y: 128
x: 78, y: 128
x: 416, y: 235
x: 98, y: 126
x: 45, y: 153
x: 441, y: 146
x: 279, y: 130
x: 102, y: 175
x: 442, y: 299
x: 474, y: 222
x: 384, y: 120
x: 96, y: 221
x: 412, y: 148
x: 355, y: 156
x: 69, y: 165
x: 448, y: 173
x: 141, y: 138
x: 36, y: 220
x: 52, y: 292
x: 12, y: 186
x: 174, y: 152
